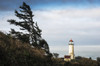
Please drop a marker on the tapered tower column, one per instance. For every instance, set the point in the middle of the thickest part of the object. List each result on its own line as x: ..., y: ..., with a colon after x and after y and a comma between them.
x: 71, y: 49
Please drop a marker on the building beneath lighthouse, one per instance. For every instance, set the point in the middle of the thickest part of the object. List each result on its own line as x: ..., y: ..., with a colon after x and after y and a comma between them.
x: 71, y: 54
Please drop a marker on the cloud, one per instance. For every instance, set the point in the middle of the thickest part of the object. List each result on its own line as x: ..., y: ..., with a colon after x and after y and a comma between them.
x: 4, y: 25
x: 8, y: 5
x: 60, y: 25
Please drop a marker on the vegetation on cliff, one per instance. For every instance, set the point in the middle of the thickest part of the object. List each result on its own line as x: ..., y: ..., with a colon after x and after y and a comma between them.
x: 14, y: 52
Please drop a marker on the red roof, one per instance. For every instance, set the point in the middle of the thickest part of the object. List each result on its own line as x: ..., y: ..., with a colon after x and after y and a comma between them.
x: 66, y: 56
x: 71, y: 40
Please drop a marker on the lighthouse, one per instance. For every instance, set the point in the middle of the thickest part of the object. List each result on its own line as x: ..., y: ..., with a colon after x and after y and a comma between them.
x: 71, y: 49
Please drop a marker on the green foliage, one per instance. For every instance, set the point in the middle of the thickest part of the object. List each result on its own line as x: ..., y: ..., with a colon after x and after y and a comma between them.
x: 98, y: 59
x: 26, y: 23
x: 86, y: 61
x: 55, y: 55
x: 16, y: 53
x: 78, y: 57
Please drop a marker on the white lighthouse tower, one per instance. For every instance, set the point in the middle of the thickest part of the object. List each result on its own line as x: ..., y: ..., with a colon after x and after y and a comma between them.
x: 71, y: 49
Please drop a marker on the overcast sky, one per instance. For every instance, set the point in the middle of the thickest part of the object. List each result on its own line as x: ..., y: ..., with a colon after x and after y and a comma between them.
x: 60, y: 20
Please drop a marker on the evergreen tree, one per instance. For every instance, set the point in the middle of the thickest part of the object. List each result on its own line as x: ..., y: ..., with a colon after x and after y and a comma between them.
x: 98, y: 59
x: 55, y: 55
x: 26, y: 23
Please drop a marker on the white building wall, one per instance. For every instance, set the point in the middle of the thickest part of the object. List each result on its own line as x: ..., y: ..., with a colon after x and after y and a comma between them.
x: 71, y: 51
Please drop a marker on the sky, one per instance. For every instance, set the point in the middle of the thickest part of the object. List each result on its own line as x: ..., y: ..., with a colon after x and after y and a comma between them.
x: 60, y: 20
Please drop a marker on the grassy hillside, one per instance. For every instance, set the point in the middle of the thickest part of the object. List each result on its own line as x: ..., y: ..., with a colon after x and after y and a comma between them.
x: 82, y: 61
x: 13, y: 52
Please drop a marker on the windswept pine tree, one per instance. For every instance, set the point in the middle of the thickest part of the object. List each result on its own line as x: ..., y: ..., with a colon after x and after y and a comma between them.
x: 26, y: 23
